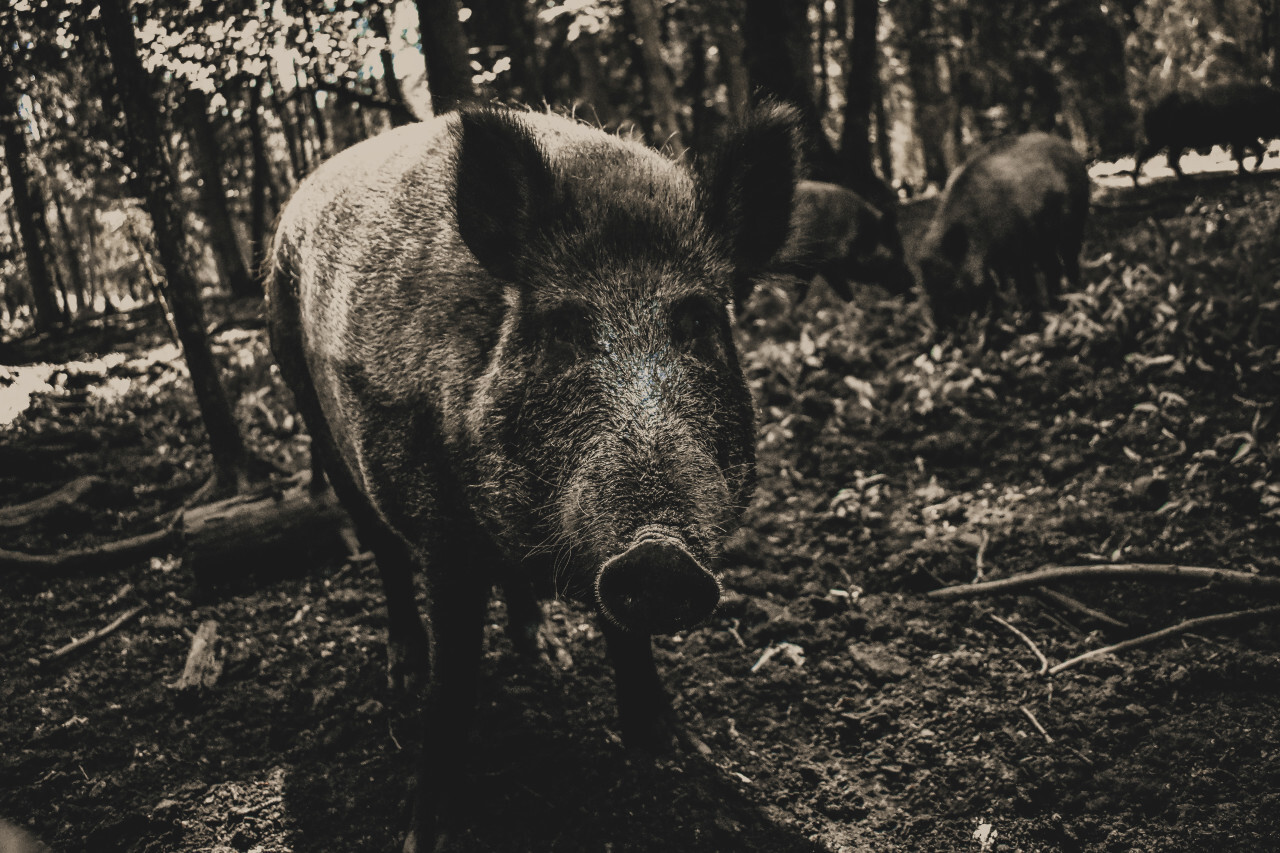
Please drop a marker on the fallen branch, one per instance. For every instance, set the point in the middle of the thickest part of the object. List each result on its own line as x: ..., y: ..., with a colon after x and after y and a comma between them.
x: 1031, y: 644
x: 20, y: 514
x: 1048, y: 738
x: 1077, y: 606
x: 91, y: 637
x: 274, y: 526
x: 1171, y: 631
x: 1112, y: 571
x: 105, y: 557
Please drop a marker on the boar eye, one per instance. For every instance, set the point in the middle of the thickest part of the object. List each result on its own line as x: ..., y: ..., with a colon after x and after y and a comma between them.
x: 567, y: 332
x: 695, y: 321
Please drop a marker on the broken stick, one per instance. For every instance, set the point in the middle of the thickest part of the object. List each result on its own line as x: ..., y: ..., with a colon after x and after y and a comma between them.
x: 1112, y: 571
x: 91, y: 637
x: 1171, y: 631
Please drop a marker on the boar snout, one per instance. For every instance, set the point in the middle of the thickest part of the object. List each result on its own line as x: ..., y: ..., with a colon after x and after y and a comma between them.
x: 656, y: 586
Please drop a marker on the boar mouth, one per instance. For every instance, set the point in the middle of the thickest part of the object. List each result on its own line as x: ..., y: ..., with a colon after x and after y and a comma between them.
x: 656, y: 586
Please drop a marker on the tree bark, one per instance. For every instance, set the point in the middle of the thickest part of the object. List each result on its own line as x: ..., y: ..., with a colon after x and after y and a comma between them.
x: 779, y: 59
x: 932, y: 112
x: 733, y: 71
x: 261, y: 175
x: 207, y: 157
x: 297, y: 157
x: 444, y: 47
x: 28, y: 207
x: 665, y: 123
x: 398, y: 110
x: 70, y: 252
x: 862, y: 87
x: 146, y: 149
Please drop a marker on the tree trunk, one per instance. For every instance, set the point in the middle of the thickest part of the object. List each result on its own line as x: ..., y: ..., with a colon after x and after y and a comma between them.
x: 733, y: 71
x: 29, y: 210
x: 522, y: 47
x: 696, y: 95
x: 779, y: 59
x: 297, y: 157
x: 501, y: 27
x: 70, y: 253
x: 399, y: 112
x: 932, y: 112
x: 664, y: 127
x: 207, y: 156
x: 862, y: 88
x: 323, y: 149
x: 884, y: 148
x: 97, y: 281
x: 144, y: 146
x: 261, y: 175
x: 444, y: 47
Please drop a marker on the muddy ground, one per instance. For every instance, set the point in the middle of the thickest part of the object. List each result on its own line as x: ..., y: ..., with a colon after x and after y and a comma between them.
x: 843, y: 709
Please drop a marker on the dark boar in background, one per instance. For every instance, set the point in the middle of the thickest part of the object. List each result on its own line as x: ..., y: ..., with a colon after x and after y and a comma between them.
x: 1012, y: 217
x: 1240, y: 115
x: 837, y: 234
x: 508, y: 334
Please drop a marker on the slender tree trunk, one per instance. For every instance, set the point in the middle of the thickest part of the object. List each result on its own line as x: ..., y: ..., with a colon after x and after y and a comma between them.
x: 16, y: 291
x: 696, y: 94
x: 824, y: 79
x: 64, y: 308
x: 444, y: 47
x: 779, y: 59
x: 932, y: 112
x: 862, y: 88
x: 733, y: 71
x: 323, y: 148
x: 399, y: 112
x: 146, y: 149
x: 590, y: 90
x: 28, y: 208
x: 297, y: 157
x: 522, y: 47
x: 261, y: 177
x: 207, y: 156
x: 665, y: 125
x: 70, y: 253
x: 97, y: 281
x: 884, y: 147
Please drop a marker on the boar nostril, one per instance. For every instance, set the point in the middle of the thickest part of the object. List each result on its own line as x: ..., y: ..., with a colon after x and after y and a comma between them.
x: 656, y: 587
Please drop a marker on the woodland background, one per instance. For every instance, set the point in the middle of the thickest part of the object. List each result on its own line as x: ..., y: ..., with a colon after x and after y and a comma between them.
x: 149, y: 147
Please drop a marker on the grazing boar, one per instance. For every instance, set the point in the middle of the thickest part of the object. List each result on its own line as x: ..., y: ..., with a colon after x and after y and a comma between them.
x: 837, y: 234
x: 1013, y: 214
x: 1238, y: 115
x: 509, y: 336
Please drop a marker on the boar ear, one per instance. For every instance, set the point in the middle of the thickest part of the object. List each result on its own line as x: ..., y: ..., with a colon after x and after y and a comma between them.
x: 503, y: 190
x: 749, y: 184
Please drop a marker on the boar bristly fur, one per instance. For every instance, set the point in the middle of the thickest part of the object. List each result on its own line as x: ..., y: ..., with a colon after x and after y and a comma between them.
x: 509, y: 336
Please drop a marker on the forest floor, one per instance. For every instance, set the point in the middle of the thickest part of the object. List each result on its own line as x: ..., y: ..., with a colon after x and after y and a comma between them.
x: 844, y: 709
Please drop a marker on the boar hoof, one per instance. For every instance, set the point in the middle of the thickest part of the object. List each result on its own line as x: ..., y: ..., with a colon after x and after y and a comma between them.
x: 656, y: 587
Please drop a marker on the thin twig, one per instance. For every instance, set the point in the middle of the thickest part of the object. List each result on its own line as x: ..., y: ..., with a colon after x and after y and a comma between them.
x: 1031, y: 644
x: 93, y: 636
x: 1171, y: 631
x: 979, y: 570
x: 1112, y: 571
x: 1077, y: 606
x: 1048, y: 738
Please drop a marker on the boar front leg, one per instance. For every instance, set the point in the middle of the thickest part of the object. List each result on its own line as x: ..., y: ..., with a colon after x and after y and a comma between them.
x: 644, y: 709
x: 458, y: 596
